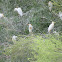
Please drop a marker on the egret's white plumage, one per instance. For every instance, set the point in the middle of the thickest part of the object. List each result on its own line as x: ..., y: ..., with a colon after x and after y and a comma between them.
x: 51, y: 26
x: 14, y: 38
x: 1, y: 15
x: 50, y: 5
x: 30, y: 28
x: 19, y: 10
x: 60, y: 15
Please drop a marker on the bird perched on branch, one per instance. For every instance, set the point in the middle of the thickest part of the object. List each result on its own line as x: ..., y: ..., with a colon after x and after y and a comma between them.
x: 30, y: 28
x: 50, y: 5
x: 19, y: 10
x: 1, y: 15
x: 51, y: 26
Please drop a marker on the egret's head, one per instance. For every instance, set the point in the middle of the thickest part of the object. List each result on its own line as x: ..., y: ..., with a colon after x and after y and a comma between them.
x: 29, y: 24
x: 49, y: 2
x: 53, y: 22
x: 15, y: 9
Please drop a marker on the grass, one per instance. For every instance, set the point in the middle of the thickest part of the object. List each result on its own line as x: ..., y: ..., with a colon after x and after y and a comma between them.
x: 37, y: 48
x: 48, y: 49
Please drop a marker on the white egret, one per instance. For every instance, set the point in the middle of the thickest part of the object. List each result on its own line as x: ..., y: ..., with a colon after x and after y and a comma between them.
x: 19, y: 10
x: 50, y: 5
x: 51, y: 26
x: 14, y: 38
x: 1, y: 15
x: 30, y: 28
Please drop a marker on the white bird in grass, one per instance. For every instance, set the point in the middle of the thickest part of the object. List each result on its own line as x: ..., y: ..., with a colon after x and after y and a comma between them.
x: 1, y: 15
x: 51, y: 26
x: 14, y: 38
x: 60, y: 15
x: 19, y: 10
x: 30, y: 28
x: 50, y: 5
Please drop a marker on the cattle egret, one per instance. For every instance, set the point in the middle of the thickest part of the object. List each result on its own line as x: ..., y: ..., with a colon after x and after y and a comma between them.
x: 51, y: 26
x: 19, y: 10
x: 14, y: 38
x: 50, y: 5
x: 60, y: 15
x: 30, y: 28
x: 1, y: 15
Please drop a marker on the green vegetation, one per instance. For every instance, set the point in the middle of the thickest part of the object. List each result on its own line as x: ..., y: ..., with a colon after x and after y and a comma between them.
x: 38, y: 47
